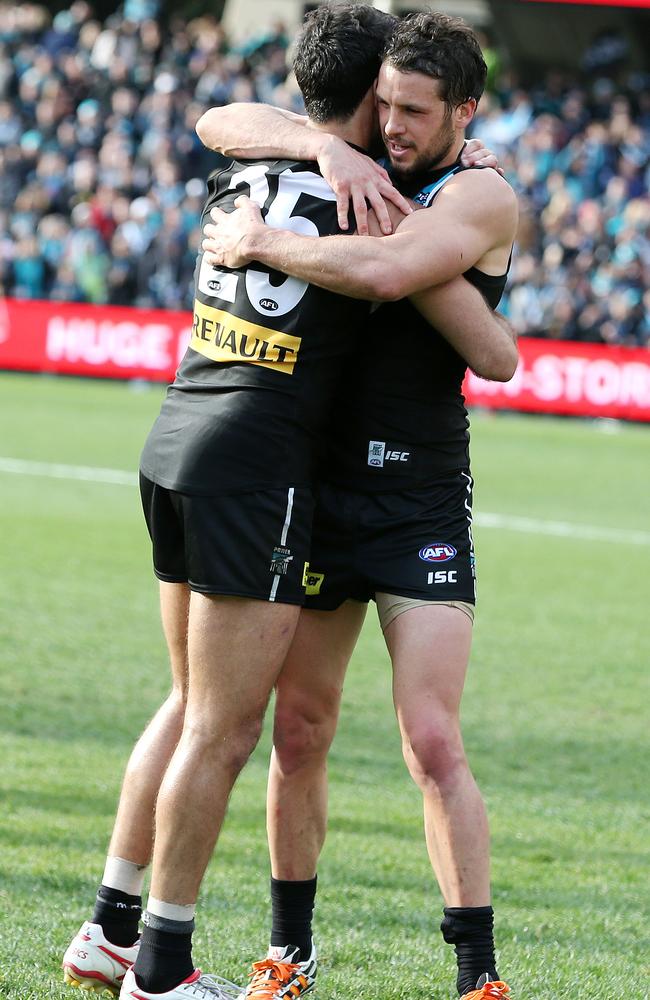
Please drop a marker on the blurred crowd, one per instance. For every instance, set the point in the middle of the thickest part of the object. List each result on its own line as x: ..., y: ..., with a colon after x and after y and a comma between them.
x: 102, y: 176
x: 579, y: 159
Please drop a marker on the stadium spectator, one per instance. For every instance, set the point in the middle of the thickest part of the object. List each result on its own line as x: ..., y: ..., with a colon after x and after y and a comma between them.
x: 102, y: 175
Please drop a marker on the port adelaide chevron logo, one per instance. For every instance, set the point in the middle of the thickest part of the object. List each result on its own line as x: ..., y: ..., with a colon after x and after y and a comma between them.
x: 437, y: 552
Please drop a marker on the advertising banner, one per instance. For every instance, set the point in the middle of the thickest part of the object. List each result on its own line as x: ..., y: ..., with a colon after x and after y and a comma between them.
x: 105, y: 341
x: 560, y: 377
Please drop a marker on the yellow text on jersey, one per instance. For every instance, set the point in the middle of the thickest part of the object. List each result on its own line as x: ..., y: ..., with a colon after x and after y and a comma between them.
x: 222, y: 337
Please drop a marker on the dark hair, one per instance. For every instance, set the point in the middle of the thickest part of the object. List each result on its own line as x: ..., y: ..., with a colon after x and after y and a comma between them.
x: 441, y: 47
x: 337, y: 57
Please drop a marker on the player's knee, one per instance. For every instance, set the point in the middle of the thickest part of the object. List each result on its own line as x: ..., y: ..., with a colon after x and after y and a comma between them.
x: 239, y: 747
x: 229, y: 746
x: 433, y: 751
x: 302, y: 734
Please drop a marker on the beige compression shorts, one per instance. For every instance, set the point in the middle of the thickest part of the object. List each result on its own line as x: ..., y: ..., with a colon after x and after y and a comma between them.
x: 390, y: 606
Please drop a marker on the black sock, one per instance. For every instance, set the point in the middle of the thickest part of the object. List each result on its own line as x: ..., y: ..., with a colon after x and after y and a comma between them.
x: 165, y: 957
x: 292, y: 905
x: 470, y: 930
x: 118, y: 915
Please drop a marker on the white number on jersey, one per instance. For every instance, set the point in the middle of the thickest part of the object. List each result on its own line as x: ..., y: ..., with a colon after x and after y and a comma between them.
x: 268, y: 299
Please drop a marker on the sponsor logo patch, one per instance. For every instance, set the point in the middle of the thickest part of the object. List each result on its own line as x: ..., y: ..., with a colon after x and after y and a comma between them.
x: 437, y: 552
x: 380, y: 454
x: 443, y: 576
x: 280, y: 560
x: 214, y: 283
x: 312, y: 582
x: 220, y: 336
x: 376, y: 450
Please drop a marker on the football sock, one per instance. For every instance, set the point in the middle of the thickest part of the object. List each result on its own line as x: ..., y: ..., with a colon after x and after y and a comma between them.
x: 292, y: 905
x: 165, y: 956
x: 124, y: 875
x: 471, y: 930
x: 118, y: 914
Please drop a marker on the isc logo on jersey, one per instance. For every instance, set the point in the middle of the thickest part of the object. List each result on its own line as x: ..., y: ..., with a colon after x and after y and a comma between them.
x: 437, y: 552
x: 379, y: 454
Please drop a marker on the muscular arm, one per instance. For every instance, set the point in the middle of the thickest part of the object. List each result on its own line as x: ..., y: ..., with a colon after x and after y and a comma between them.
x: 475, y: 214
x: 252, y: 131
x: 458, y: 311
x: 485, y: 340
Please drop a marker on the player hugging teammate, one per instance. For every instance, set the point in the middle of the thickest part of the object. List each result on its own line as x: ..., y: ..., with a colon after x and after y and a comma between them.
x: 290, y: 376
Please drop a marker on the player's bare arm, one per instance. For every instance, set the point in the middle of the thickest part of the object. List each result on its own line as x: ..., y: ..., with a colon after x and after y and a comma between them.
x: 482, y: 337
x: 252, y: 131
x: 472, y: 223
x: 459, y: 313
x: 259, y: 130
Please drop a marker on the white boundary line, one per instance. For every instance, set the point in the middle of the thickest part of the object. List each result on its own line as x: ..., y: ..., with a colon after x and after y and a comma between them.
x: 506, y: 522
x: 562, y: 529
x: 80, y: 472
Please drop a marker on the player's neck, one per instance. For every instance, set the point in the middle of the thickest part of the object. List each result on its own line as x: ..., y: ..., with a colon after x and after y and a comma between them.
x: 350, y: 131
x: 359, y: 129
x: 454, y: 153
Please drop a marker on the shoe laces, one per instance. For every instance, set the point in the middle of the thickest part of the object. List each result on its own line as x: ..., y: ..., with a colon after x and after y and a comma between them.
x: 269, y: 976
x: 217, y: 987
x: 491, y: 991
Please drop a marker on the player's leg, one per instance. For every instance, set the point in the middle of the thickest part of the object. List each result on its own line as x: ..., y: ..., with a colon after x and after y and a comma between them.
x: 253, y: 545
x: 106, y: 946
x: 236, y: 648
x: 308, y: 696
x: 426, y: 554
x: 429, y: 648
x: 133, y: 832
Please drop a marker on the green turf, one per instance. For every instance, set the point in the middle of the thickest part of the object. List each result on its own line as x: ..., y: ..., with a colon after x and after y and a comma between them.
x: 555, y: 717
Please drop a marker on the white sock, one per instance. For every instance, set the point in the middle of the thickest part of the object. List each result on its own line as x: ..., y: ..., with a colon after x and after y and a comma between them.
x: 171, y: 911
x: 124, y: 875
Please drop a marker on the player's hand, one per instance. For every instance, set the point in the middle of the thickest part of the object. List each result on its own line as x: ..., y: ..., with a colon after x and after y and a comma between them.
x: 475, y: 154
x: 224, y: 236
x: 356, y: 178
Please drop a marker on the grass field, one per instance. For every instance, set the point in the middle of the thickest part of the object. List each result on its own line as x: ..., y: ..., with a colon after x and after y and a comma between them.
x: 555, y: 717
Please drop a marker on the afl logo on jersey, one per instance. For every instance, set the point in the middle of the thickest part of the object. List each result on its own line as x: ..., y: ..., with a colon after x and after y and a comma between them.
x: 214, y: 285
x: 437, y: 552
x: 269, y: 304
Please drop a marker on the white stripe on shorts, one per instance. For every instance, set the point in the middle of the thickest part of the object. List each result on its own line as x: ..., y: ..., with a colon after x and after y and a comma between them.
x: 468, y: 508
x: 283, y: 540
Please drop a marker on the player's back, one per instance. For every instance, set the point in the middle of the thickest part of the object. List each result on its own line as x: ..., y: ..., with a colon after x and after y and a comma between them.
x: 254, y: 389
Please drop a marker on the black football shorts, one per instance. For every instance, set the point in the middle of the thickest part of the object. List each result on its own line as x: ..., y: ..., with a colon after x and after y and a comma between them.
x: 416, y: 544
x: 244, y: 544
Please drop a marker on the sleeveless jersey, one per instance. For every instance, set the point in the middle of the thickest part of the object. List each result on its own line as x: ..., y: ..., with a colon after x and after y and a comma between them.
x: 404, y: 422
x: 266, y: 354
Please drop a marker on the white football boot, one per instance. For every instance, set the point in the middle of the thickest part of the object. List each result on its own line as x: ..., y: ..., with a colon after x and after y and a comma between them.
x: 93, y: 963
x: 195, y: 987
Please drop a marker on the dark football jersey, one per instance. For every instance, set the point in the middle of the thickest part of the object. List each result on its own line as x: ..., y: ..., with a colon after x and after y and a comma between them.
x: 266, y: 354
x: 405, y: 420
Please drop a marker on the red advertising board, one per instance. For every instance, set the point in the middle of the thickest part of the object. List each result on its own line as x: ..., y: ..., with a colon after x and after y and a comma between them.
x: 106, y: 341
x: 115, y: 342
x: 590, y: 380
